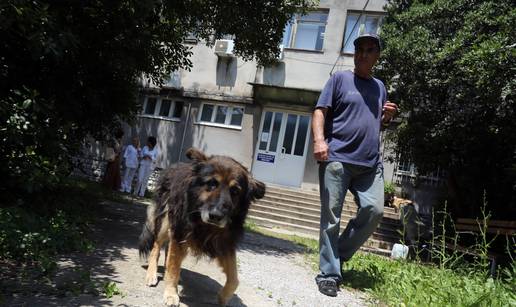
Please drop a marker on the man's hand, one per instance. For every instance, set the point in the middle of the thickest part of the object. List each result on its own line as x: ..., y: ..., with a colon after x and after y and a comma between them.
x: 321, y: 150
x: 389, y: 111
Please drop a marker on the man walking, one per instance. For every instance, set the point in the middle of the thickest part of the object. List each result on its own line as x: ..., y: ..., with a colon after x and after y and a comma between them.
x: 346, y: 128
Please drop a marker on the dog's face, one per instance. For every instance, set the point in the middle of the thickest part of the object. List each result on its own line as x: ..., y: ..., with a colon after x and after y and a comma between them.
x: 222, y: 188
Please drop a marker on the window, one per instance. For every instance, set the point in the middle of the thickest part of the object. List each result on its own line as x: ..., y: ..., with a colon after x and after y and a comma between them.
x: 306, y: 32
x: 221, y: 115
x: 162, y: 108
x: 368, y: 23
x: 406, y: 167
x: 266, y: 129
x: 301, y: 135
x: 190, y: 38
x: 406, y: 171
x: 178, y: 109
x: 165, y: 107
x: 150, y: 106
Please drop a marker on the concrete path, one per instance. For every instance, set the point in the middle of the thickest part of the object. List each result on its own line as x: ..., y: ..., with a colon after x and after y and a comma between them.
x: 272, y: 272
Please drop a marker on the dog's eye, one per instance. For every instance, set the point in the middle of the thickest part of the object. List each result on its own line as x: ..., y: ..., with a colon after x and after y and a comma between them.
x: 234, y: 190
x: 212, y: 184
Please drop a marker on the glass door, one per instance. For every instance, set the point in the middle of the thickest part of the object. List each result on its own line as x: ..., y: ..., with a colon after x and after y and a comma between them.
x: 281, y: 149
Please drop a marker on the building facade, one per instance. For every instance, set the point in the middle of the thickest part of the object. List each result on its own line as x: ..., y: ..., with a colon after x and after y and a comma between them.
x: 258, y: 115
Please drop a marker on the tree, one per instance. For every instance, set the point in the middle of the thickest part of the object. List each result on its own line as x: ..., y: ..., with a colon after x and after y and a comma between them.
x: 69, y: 69
x: 451, y: 64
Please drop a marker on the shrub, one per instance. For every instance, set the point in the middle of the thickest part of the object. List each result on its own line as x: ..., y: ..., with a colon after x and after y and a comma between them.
x: 47, y: 224
x: 389, y: 190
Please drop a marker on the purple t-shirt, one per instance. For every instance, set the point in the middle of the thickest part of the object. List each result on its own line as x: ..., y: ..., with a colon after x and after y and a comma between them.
x: 352, y: 124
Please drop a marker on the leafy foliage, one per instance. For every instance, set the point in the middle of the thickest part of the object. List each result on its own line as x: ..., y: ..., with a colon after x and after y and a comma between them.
x: 389, y: 188
x: 49, y: 224
x: 71, y: 69
x: 110, y: 289
x: 451, y: 65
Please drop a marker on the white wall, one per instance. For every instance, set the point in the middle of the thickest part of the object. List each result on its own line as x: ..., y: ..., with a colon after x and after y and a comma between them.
x: 300, y: 69
x: 226, y: 79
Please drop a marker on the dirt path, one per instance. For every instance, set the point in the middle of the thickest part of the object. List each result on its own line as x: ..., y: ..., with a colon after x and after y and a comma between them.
x: 272, y: 272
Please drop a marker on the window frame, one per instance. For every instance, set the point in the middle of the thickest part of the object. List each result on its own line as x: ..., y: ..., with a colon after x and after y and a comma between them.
x: 157, y: 108
x: 365, y: 15
x: 227, y: 119
x: 191, y: 38
x: 293, y: 25
x: 406, y: 171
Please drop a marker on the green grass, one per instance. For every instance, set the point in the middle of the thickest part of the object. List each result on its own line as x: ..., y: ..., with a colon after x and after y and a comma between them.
x: 411, y: 283
x: 406, y: 283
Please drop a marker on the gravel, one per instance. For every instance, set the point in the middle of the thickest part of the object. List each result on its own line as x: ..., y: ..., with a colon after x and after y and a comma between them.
x: 272, y: 272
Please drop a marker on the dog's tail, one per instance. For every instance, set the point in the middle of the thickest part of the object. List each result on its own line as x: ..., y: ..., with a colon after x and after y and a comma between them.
x: 148, y: 235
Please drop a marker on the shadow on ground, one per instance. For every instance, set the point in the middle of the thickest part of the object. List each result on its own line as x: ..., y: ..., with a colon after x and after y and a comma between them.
x: 201, y: 290
x: 81, y: 277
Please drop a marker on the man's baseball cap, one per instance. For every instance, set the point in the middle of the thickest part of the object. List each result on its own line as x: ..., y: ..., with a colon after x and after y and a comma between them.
x: 370, y: 36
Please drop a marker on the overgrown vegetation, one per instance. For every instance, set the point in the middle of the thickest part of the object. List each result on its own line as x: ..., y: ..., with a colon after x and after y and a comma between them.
x: 450, y: 64
x: 450, y: 282
x: 35, y: 230
x: 406, y: 283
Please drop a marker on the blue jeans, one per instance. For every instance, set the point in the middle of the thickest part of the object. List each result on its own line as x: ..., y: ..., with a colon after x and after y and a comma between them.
x: 366, y: 184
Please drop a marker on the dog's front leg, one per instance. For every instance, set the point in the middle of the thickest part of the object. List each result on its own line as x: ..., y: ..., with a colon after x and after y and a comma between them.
x: 151, y: 278
x: 176, y: 254
x: 229, y: 266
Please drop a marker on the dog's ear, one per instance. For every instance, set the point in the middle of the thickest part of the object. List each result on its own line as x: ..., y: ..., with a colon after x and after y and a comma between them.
x: 196, y: 155
x: 256, y: 189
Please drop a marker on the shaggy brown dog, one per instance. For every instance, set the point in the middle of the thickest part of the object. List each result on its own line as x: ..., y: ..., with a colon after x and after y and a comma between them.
x: 201, y: 207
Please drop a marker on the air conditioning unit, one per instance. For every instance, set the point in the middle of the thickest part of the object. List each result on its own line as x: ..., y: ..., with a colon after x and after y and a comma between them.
x: 280, y: 56
x: 224, y: 47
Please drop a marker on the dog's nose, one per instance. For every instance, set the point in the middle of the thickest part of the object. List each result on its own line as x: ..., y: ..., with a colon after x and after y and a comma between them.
x: 216, y: 216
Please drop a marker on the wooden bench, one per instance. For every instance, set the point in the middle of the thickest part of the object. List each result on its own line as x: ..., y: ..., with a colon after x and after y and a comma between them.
x: 473, y: 226
x: 507, y: 228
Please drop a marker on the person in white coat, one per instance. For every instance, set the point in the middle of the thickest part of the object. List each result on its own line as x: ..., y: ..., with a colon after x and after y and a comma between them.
x: 131, y: 156
x: 147, y: 164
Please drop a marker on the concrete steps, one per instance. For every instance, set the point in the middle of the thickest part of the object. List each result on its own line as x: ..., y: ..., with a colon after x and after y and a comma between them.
x: 298, y: 211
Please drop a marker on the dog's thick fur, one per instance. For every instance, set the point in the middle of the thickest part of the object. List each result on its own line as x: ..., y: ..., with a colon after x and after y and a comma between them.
x: 200, y: 207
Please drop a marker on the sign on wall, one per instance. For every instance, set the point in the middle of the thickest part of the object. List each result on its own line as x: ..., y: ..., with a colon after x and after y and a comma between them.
x: 265, y: 158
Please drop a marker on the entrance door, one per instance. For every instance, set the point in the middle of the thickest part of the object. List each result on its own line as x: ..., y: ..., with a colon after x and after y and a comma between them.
x: 282, y: 147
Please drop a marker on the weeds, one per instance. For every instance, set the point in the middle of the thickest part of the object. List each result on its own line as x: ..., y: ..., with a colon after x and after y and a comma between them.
x: 405, y: 283
x: 451, y: 281
x: 110, y: 289
x: 36, y: 229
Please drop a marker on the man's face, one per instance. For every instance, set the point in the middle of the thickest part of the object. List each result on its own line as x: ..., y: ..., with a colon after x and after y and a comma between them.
x: 366, y: 55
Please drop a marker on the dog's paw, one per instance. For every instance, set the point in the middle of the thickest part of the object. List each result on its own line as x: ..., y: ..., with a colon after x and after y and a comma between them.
x: 151, y: 280
x: 171, y: 300
x: 223, y: 300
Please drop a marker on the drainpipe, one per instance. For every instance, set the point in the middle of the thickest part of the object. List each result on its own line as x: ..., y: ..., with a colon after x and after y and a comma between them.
x: 184, y: 131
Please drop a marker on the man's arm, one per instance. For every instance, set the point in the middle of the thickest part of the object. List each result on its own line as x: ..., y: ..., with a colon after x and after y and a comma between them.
x: 320, y: 146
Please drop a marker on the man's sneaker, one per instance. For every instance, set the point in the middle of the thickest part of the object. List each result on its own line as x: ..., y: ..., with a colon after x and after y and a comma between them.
x: 328, y: 287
